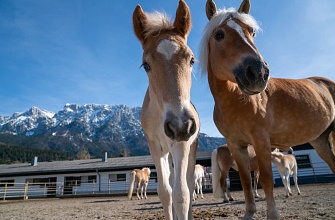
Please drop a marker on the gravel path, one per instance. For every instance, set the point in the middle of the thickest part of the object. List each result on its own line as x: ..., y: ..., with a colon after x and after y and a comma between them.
x: 317, y: 201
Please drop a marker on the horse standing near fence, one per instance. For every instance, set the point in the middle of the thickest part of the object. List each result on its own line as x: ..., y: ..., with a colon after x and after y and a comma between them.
x: 141, y: 177
x: 169, y: 119
x: 251, y: 108
x: 286, y: 166
x: 199, y: 175
x: 222, y: 161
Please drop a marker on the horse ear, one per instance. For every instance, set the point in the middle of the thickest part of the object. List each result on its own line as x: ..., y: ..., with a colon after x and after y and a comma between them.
x: 139, y: 22
x: 182, y: 23
x: 210, y: 9
x: 244, y: 7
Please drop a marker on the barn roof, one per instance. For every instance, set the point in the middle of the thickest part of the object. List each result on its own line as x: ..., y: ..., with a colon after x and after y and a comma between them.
x: 84, y: 166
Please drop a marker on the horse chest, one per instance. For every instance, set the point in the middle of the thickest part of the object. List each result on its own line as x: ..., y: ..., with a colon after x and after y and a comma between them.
x: 234, y: 122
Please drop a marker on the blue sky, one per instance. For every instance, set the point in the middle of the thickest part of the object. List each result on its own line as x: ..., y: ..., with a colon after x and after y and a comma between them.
x: 69, y: 51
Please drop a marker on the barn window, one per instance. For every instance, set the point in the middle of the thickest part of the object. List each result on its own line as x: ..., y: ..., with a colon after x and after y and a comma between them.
x: 89, y: 179
x: 10, y: 183
x: 42, y: 182
x: 117, y: 177
x: 92, y: 179
x: 303, y: 161
x: 153, y: 176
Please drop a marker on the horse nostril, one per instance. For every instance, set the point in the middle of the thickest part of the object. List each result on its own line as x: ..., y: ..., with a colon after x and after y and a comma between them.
x: 169, y: 130
x: 193, y: 127
x: 251, y: 74
x: 265, y: 73
x: 181, y: 132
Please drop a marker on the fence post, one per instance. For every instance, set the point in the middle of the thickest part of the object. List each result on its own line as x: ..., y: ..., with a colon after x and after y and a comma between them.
x: 314, y: 174
x: 93, y: 186
x: 61, y: 189
x: 45, y: 187
x: 25, y: 191
x: 4, y: 193
x: 75, y: 188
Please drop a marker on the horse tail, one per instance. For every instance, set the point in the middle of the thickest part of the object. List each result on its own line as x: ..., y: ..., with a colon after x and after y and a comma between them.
x: 131, y: 186
x: 332, y: 141
x: 217, y: 191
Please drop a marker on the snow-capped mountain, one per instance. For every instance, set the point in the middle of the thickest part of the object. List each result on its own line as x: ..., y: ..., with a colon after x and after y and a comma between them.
x: 95, y: 127
x: 85, y: 119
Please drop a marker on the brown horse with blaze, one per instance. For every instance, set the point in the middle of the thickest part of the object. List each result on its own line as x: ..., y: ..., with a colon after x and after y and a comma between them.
x: 251, y: 108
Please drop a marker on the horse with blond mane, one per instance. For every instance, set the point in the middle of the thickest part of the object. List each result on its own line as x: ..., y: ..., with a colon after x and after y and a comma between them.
x: 252, y: 108
x: 222, y: 161
x: 169, y: 119
x: 199, y: 175
x: 141, y: 177
x: 286, y: 166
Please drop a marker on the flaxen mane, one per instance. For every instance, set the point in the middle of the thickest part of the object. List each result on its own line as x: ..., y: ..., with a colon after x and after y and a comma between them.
x: 157, y: 21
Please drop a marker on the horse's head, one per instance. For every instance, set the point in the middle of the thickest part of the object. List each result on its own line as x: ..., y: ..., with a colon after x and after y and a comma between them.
x: 228, y: 48
x: 168, y: 62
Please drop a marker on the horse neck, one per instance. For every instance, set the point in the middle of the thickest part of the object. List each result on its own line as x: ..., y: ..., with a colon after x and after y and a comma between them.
x: 224, y: 90
x: 146, y: 171
x: 276, y: 159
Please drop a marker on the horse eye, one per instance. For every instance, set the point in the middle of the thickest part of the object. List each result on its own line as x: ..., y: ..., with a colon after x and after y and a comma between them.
x: 192, y: 61
x: 146, y: 66
x: 219, y: 35
x: 253, y: 33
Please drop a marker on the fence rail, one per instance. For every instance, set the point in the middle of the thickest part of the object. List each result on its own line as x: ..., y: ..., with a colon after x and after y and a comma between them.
x: 58, y: 189
x: 319, y: 172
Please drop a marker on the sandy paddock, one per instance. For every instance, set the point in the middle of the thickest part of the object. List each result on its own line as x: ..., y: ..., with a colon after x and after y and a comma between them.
x: 317, y: 201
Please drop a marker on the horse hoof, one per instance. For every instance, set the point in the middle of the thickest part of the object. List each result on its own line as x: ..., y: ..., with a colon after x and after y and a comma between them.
x: 299, y: 193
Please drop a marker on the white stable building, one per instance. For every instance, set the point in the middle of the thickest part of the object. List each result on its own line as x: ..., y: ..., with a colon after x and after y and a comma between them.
x: 111, y: 175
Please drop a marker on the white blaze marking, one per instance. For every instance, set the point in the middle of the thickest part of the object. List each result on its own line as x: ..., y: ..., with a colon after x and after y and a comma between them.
x: 167, y: 48
x: 232, y: 24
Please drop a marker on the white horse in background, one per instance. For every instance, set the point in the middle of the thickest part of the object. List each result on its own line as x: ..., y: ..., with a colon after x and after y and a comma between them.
x: 199, y: 175
x: 286, y: 166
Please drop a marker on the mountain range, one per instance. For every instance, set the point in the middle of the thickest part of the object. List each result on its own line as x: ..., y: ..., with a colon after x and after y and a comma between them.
x: 95, y: 128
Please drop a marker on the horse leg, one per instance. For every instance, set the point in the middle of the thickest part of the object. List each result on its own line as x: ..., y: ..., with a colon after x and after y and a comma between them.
x: 137, y: 186
x: 190, y: 174
x: 288, y: 182
x: 321, y: 146
x: 241, y: 157
x: 295, y: 177
x: 196, y: 188
x: 145, y: 190
x: 163, y: 170
x: 230, y: 197
x: 141, y: 190
x: 283, y: 179
x: 263, y: 151
x: 200, y: 187
x: 223, y: 185
x: 194, y: 191
x: 256, y: 177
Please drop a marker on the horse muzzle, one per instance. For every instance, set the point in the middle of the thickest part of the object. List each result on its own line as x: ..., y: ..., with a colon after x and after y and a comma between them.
x: 252, y: 75
x: 179, y: 128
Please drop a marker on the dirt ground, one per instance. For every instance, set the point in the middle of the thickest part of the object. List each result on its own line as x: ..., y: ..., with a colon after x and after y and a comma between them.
x: 317, y: 201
